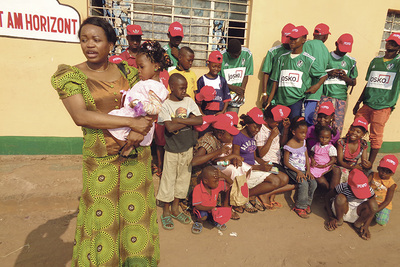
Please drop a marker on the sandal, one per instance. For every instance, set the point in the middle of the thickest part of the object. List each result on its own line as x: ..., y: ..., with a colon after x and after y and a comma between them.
x: 221, y: 227
x: 276, y: 205
x: 301, y: 212
x: 165, y: 221
x: 328, y: 228
x: 257, y: 204
x: 182, y: 217
x: 154, y: 168
x: 238, y: 209
x: 197, y: 228
x: 235, y: 216
x: 308, y: 210
x: 249, y: 208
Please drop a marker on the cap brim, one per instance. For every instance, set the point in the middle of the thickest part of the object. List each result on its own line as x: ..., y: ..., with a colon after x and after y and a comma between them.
x: 232, y: 130
x: 344, y: 48
x: 361, y: 193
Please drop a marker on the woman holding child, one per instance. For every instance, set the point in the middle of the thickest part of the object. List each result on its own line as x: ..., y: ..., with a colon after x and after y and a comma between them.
x: 116, y: 224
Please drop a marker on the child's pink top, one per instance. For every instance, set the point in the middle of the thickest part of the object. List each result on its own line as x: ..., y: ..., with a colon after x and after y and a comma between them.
x: 322, y: 156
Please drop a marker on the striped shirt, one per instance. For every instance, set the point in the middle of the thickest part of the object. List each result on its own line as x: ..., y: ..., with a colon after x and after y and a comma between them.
x: 344, y: 189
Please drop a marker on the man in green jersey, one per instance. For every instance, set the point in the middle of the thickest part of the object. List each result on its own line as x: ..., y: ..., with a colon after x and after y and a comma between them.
x: 270, y: 59
x: 293, y: 72
x: 237, y: 65
x: 380, y: 95
x: 342, y: 73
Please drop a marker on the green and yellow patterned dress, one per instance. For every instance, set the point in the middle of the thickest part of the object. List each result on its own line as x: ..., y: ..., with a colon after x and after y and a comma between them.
x: 117, y: 219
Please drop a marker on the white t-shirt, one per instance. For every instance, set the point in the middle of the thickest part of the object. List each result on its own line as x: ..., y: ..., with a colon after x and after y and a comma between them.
x: 274, y: 152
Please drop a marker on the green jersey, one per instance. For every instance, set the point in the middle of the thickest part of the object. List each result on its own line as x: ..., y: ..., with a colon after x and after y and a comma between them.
x: 318, y: 50
x: 234, y: 70
x: 333, y: 86
x: 174, y: 60
x: 273, y: 54
x: 294, y: 76
x: 383, y: 87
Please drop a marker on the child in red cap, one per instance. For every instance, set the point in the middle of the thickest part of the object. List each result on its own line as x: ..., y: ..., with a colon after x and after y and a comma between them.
x: 352, y: 148
x: 219, y: 103
x: 175, y: 36
x: 354, y: 202
x: 134, y: 37
x: 342, y: 73
x: 381, y: 93
x: 384, y: 186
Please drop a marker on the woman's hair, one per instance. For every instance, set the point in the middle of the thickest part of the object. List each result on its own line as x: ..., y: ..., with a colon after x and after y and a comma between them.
x: 245, y: 119
x: 321, y: 129
x: 156, y: 54
x: 102, y: 23
x: 296, y: 122
x: 268, y: 112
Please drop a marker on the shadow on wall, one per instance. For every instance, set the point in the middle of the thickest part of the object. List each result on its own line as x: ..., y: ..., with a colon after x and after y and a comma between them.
x: 44, y: 246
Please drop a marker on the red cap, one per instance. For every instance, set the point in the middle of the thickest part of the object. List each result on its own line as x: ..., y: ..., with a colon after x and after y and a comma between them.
x: 134, y: 30
x: 207, y: 120
x: 233, y: 116
x: 362, y: 122
x: 215, y: 56
x: 115, y: 59
x: 175, y: 29
x: 345, y: 42
x: 298, y: 32
x: 280, y: 112
x: 390, y: 162
x: 326, y: 108
x: 207, y: 93
x: 285, y: 32
x: 358, y: 183
x: 257, y: 115
x: 321, y: 29
x: 395, y: 37
x: 224, y: 122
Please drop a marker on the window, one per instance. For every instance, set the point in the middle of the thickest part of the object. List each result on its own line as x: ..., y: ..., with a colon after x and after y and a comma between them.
x: 392, y: 24
x: 207, y: 25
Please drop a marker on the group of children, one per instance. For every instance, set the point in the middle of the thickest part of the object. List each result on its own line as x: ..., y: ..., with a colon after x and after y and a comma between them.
x: 278, y: 150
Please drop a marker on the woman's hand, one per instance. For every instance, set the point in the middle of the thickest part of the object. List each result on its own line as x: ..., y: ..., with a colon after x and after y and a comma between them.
x: 141, y: 125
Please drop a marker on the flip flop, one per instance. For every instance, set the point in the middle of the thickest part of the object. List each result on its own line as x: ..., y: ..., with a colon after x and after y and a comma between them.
x: 329, y: 229
x: 235, y: 216
x: 197, y: 228
x: 165, y: 221
x: 221, y: 227
x: 257, y: 204
x: 182, y: 217
x: 276, y: 205
x: 249, y: 208
x: 238, y: 209
x: 269, y: 206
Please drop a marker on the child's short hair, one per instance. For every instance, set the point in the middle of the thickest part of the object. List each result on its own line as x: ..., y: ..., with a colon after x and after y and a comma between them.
x: 156, y: 54
x: 320, y: 129
x: 268, y: 112
x: 234, y: 46
x: 296, y: 122
x: 186, y: 49
x: 245, y: 119
x: 174, y: 77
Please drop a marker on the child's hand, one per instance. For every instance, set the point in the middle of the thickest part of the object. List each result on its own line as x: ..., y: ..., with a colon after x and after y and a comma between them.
x: 313, y: 163
x: 366, y: 164
x: 358, y: 166
x: 274, y: 133
x: 132, y: 104
x: 300, y: 177
x: 225, y: 149
x: 286, y: 123
x: 266, y: 167
x: 236, y: 162
x: 309, y: 175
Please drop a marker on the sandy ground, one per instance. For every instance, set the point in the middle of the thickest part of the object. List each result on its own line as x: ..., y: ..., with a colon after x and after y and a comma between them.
x: 39, y: 197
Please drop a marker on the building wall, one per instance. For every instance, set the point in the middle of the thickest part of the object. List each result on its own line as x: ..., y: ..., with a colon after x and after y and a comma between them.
x: 30, y: 107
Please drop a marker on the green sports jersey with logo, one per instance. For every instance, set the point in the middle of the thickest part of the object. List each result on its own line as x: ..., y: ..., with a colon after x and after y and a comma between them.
x: 333, y: 86
x: 318, y: 50
x: 234, y: 70
x: 294, y: 77
x: 272, y: 55
x: 174, y: 60
x: 383, y: 85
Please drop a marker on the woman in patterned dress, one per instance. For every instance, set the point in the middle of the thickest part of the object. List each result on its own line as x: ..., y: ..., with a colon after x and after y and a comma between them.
x: 116, y: 224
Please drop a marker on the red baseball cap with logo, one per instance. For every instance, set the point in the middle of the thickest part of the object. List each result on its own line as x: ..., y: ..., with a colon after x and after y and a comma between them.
x: 175, y: 29
x: 207, y: 93
x: 134, y: 30
x: 224, y: 122
x: 207, y: 120
x: 285, y: 32
x: 326, y: 108
x: 362, y: 122
x: 215, y: 56
x: 345, y: 42
x: 321, y: 29
x: 390, y: 162
x: 115, y: 59
x: 358, y: 183
x: 280, y: 112
x: 257, y: 115
x: 395, y: 37
x: 298, y: 32
x: 233, y: 116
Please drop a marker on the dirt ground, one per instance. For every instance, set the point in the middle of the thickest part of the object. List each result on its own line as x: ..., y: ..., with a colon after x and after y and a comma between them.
x: 39, y: 198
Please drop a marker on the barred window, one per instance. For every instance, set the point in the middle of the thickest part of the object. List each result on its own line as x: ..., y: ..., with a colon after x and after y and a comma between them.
x: 392, y: 24
x: 207, y: 25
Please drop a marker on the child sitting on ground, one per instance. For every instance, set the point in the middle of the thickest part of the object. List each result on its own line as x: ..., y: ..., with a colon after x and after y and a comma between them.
x: 352, y: 148
x: 323, y: 157
x: 146, y: 96
x: 205, y: 197
x: 353, y: 202
x: 384, y: 187
x: 296, y: 161
x: 179, y: 113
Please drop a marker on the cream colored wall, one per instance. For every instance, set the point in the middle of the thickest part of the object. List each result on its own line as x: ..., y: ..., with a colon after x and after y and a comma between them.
x: 30, y: 107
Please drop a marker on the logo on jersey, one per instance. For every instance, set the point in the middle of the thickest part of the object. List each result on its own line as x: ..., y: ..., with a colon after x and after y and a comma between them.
x: 291, y: 78
x: 390, y: 66
x: 243, y: 61
x: 300, y: 63
x: 343, y: 64
x: 381, y: 80
x: 234, y: 75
